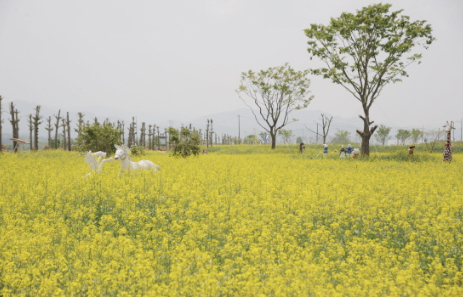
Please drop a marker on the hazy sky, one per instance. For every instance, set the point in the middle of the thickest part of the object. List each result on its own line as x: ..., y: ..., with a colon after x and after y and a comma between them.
x: 184, y: 58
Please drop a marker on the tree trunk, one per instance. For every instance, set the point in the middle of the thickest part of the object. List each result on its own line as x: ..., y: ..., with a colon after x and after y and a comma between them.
x: 274, y: 139
x: 366, y: 134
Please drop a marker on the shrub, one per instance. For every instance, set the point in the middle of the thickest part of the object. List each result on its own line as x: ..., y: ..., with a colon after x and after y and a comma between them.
x: 98, y: 137
x: 185, y: 144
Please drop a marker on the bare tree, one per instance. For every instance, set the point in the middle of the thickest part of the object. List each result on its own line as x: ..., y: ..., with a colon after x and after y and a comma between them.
x: 37, y: 117
x: 55, y: 145
x: 49, y: 129
x: 63, y: 124
x: 212, y: 133
x: 142, y: 135
x: 14, y: 124
x: 80, y: 123
x: 325, y: 128
x: 68, y: 124
x: 432, y: 137
x: 149, y: 136
x: 31, y: 129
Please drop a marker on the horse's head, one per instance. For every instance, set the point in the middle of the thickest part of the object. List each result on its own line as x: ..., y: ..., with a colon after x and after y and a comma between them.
x: 122, y: 151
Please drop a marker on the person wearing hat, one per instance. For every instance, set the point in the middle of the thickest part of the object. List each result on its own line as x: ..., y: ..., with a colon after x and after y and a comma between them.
x: 342, y: 154
x: 349, y: 150
x: 410, y: 150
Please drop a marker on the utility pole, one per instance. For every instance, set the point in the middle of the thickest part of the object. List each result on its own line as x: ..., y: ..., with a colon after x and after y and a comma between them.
x: 317, y: 132
x: 239, y: 127
x: 207, y: 134
x: 212, y: 134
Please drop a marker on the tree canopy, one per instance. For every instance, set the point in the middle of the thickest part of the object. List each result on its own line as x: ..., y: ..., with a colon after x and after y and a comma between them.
x: 365, y: 51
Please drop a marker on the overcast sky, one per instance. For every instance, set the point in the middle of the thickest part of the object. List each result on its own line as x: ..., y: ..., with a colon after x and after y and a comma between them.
x: 184, y: 58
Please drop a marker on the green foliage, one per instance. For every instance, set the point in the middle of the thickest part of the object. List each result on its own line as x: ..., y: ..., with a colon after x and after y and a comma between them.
x: 250, y: 139
x: 415, y: 135
x: 136, y: 150
x: 341, y: 136
x: 402, y: 135
x: 287, y: 135
x: 186, y: 143
x: 98, y: 137
x: 382, y: 134
x: 276, y: 92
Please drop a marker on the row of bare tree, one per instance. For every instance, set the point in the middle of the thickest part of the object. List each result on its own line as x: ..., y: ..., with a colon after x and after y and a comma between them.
x: 148, y: 139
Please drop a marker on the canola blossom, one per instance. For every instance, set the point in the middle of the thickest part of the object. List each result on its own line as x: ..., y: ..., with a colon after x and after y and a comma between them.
x: 276, y: 224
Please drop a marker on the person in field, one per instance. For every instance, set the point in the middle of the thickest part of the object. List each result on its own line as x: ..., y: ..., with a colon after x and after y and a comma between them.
x: 355, y: 153
x: 410, y: 150
x: 301, y: 147
x: 349, y: 150
x: 342, y: 153
x: 325, y: 149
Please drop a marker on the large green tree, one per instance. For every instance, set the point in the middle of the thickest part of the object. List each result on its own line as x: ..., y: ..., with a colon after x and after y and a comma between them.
x: 365, y: 51
x: 275, y: 93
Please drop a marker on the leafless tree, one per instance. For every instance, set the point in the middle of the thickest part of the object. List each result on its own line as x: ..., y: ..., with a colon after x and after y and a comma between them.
x: 433, y: 137
x: 14, y: 124
x: 63, y: 124
x: 49, y: 129
x: 68, y: 124
x: 326, y: 122
x: 37, y: 117
x: 31, y: 129
x: 80, y: 123
x: 56, y: 129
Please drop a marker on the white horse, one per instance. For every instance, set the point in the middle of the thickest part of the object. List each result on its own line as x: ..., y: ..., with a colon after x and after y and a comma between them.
x: 94, y: 161
x: 122, y: 155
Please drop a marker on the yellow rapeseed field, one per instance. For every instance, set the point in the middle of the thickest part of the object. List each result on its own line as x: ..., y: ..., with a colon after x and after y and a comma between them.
x: 278, y: 224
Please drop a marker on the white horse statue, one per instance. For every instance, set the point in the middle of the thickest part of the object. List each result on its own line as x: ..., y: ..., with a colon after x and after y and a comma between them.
x: 122, y: 155
x: 94, y: 161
